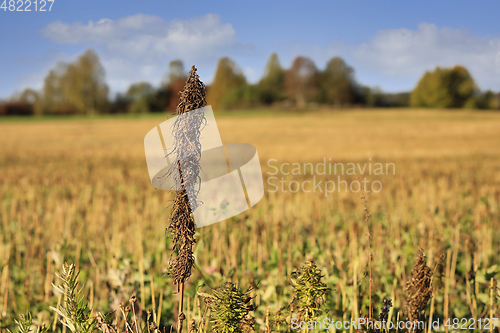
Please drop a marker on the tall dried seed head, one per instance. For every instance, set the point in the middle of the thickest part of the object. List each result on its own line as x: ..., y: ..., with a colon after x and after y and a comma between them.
x: 187, y: 149
x: 419, y: 287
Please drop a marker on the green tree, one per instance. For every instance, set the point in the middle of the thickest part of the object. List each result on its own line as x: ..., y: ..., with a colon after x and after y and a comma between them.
x: 52, y: 100
x: 228, y: 79
x: 272, y: 84
x: 302, y: 81
x: 337, y: 83
x: 446, y: 88
x: 371, y: 96
x: 139, y: 90
x: 488, y: 100
x: 140, y: 95
x: 83, y: 84
x: 77, y: 87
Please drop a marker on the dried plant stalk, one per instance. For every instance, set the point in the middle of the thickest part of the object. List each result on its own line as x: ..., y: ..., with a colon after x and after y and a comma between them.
x: 419, y: 288
x: 187, y: 150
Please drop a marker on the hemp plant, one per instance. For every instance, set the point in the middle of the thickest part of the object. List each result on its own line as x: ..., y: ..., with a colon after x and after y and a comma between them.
x: 25, y: 324
x: 308, y: 297
x: 310, y: 291
x: 75, y: 313
x: 185, y: 172
x: 230, y: 309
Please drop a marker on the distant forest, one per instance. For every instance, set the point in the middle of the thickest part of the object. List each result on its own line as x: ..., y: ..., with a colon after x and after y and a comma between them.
x: 80, y: 88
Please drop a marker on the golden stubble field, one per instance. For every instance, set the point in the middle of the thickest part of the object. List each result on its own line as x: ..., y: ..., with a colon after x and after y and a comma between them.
x: 307, y: 136
x: 78, y: 191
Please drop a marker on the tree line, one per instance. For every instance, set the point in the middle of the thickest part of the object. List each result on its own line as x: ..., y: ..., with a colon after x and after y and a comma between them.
x: 80, y: 88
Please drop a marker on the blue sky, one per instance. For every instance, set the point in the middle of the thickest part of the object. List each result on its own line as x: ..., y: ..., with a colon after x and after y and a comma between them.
x: 390, y: 44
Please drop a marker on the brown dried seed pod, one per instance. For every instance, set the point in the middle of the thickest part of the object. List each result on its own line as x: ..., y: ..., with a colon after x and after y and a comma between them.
x: 187, y: 147
x: 186, y: 175
x: 419, y: 287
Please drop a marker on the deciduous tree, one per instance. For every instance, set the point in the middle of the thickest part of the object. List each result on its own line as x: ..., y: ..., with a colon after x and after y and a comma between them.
x: 446, y: 88
x: 272, y: 84
x: 83, y: 84
x: 140, y: 95
x: 337, y: 83
x: 78, y: 87
x: 302, y: 81
x: 228, y: 77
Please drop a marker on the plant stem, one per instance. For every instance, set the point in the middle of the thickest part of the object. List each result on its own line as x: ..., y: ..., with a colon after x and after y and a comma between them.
x: 181, y: 305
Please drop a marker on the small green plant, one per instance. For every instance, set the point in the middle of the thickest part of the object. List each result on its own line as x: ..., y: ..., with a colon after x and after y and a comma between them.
x: 76, y: 315
x: 230, y: 307
x: 25, y: 324
x: 310, y: 291
x: 306, y: 301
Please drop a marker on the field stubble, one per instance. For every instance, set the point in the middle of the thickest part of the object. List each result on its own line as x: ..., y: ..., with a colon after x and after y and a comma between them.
x: 79, y: 192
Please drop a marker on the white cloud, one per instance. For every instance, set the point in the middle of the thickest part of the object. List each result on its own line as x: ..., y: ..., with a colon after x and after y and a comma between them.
x: 400, y: 53
x: 395, y: 59
x: 139, y: 47
x: 143, y: 35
